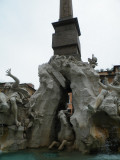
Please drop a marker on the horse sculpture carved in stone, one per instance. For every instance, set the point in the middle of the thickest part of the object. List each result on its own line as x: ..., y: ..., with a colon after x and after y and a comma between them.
x: 66, y: 134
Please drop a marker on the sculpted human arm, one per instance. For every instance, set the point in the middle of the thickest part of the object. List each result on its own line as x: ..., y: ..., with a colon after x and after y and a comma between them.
x: 17, y: 82
x: 111, y: 87
x: 103, y: 86
x: 115, y: 88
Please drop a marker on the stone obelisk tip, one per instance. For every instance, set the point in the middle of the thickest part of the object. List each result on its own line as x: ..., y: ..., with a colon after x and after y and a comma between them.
x: 66, y: 9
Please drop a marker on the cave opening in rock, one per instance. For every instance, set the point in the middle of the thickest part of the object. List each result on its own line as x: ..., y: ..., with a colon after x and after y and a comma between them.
x: 64, y: 104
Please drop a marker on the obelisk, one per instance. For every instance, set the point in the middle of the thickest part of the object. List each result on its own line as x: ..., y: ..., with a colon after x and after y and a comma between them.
x: 65, y: 40
x: 66, y: 10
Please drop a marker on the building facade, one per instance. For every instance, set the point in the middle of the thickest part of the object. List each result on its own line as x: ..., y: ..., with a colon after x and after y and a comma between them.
x: 110, y: 74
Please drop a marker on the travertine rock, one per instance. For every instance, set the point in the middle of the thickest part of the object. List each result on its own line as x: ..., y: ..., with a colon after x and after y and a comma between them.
x: 45, y: 120
x: 45, y: 103
x: 62, y: 75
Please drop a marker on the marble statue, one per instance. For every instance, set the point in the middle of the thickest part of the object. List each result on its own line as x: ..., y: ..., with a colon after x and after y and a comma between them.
x: 112, y: 87
x: 116, y: 82
x: 93, y: 61
x: 56, y: 77
x: 4, y: 106
x: 99, y: 100
x: 44, y: 120
x: 15, y: 119
x: 14, y: 94
x: 113, y: 90
x: 66, y: 134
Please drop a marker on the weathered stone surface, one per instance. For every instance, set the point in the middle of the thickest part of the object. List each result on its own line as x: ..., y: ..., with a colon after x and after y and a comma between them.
x: 47, y: 100
x: 45, y: 120
x: 109, y: 106
x: 13, y: 115
x: 12, y: 138
x: 65, y: 40
x: 66, y: 10
x: 66, y: 35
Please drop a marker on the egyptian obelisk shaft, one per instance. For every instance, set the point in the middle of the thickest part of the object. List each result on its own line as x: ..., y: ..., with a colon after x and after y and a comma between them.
x: 66, y: 10
x: 65, y: 40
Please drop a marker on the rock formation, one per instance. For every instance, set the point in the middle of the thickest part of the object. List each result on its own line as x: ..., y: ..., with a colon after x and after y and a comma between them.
x: 44, y: 120
x: 58, y: 77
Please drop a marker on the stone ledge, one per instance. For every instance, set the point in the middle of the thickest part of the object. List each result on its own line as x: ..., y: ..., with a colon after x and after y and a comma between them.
x: 67, y: 22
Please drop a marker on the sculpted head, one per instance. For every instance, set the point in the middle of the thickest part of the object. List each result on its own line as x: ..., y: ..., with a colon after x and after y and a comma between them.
x: 44, y: 76
x: 7, y: 85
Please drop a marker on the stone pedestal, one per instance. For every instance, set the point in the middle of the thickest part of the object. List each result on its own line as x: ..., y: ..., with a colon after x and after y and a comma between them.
x: 65, y: 40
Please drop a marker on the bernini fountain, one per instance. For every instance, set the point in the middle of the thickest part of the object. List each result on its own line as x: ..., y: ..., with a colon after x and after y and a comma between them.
x: 43, y: 120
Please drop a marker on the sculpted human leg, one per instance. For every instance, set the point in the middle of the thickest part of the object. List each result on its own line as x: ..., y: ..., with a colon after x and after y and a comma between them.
x: 54, y: 143
x: 14, y: 110
x: 64, y: 143
x: 99, y: 100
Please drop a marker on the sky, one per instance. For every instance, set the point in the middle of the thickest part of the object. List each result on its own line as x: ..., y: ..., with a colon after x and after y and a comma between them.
x: 26, y: 34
